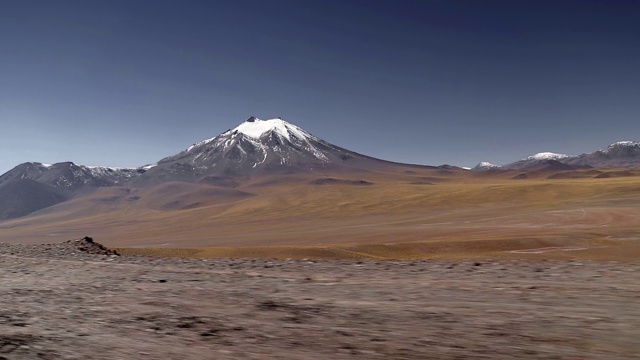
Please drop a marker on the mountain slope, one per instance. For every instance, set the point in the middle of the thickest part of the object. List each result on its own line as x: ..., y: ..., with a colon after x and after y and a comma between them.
x: 253, y: 149
x: 623, y: 154
x: 540, y: 162
x: 258, y: 152
x: 23, y: 196
x: 69, y: 177
x: 33, y: 186
x: 485, y: 166
x: 259, y: 147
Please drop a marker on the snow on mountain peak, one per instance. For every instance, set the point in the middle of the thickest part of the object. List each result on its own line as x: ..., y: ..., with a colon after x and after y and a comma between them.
x: 626, y: 147
x: 485, y: 165
x: 624, y: 144
x: 547, y: 156
x: 255, y: 128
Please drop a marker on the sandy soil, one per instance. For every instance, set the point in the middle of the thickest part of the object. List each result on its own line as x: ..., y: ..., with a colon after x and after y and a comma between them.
x: 57, y: 302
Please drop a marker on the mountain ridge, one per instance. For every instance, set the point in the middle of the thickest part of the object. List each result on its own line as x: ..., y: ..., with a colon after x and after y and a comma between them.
x: 621, y: 154
x: 257, y: 148
x: 254, y: 148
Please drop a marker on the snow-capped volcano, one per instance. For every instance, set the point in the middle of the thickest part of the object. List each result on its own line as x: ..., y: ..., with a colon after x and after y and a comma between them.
x: 258, y: 146
x: 260, y: 136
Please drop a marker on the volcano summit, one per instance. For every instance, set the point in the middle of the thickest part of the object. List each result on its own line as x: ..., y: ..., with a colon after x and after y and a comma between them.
x: 257, y: 147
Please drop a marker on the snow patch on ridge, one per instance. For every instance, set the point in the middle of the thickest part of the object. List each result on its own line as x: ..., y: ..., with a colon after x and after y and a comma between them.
x: 487, y: 164
x: 203, y: 142
x: 107, y: 168
x: 622, y: 144
x: 625, y: 143
x: 626, y: 146
x: 484, y: 166
x: 547, y: 156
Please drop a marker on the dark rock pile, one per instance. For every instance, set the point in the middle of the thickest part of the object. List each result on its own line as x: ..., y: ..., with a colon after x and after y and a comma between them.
x: 84, y: 248
x: 87, y: 245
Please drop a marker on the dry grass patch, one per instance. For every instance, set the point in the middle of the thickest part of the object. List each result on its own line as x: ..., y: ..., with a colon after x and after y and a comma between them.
x: 457, y: 216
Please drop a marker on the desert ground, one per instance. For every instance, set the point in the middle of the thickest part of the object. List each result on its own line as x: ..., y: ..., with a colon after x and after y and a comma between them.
x: 433, y: 264
x: 432, y: 213
x: 59, y: 302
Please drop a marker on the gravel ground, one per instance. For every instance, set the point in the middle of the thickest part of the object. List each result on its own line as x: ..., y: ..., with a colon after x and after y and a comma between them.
x: 61, y: 302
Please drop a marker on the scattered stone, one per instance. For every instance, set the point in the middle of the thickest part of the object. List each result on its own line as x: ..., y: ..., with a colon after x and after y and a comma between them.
x: 60, y: 301
x: 70, y: 249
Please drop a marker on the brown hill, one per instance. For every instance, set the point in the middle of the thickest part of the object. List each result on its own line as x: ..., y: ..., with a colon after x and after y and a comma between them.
x: 24, y: 196
x: 460, y: 214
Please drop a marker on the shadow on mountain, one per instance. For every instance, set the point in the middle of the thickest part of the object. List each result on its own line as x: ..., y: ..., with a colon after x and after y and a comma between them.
x: 23, y: 196
x: 185, y: 196
x: 615, y: 174
x: 334, y: 181
x: 575, y: 174
x: 220, y: 181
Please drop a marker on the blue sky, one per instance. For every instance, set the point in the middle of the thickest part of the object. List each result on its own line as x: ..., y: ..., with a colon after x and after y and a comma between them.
x: 126, y: 83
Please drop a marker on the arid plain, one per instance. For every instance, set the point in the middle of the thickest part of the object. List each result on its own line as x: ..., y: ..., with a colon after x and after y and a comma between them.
x: 59, y: 302
x: 437, y: 263
x: 411, y: 214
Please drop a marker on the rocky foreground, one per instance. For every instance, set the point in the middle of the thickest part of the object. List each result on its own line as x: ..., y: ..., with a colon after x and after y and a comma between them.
x: 76, y: 300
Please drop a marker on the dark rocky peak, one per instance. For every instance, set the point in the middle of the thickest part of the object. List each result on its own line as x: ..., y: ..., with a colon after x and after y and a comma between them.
x: 69, y: 176
x: 623, y: 148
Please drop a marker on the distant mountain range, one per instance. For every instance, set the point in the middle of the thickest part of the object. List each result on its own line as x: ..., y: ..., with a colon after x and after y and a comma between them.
x: 33, y: 186
x: 623, y: 154
x: 252, y: 149
x: 256, y: 147
x: 68, y: 177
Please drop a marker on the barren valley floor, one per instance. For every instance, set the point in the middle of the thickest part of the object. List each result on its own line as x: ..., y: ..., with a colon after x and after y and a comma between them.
x: 59, y: 303
x: 428, y: 214
x: 492, y: 268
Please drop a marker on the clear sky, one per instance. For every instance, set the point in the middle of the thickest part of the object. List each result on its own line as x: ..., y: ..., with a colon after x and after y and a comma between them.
x: 128, y: 82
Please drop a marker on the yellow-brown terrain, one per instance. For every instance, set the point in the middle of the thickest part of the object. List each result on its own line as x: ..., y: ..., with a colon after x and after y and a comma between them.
x: 416, y: 213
